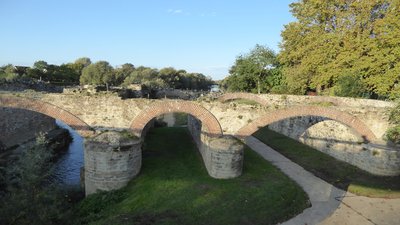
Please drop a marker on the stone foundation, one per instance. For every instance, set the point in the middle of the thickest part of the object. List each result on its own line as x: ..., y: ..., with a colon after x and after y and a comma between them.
x: 339, y: 141
x: 112, y: 159
x: 222, y: 156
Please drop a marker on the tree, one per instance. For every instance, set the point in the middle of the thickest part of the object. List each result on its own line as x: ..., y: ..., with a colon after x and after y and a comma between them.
x: 39, y: 70
x: 121, y: 73
x: 140, y: 75
x: 81, y: 63
x: 333, y: 38
x: 172, y: 77
x: 8, y: 73
x: 98, y: 73
x: 41, y: 65
x: 349, y: 85
x: 251, y: 71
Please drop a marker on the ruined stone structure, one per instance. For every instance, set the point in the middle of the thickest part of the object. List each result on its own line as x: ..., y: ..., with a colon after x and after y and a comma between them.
x: 222, y: 155
x: 111, y: 161
x: 365, y: 121
x: 26, y: 124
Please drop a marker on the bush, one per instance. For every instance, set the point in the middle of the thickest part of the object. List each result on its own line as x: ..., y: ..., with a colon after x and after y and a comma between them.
x: 393, y: 134
x: 394, y: 116
x: 29, y: 198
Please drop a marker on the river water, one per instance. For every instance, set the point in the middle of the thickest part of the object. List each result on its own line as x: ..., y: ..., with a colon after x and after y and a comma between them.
x: 68, y: 165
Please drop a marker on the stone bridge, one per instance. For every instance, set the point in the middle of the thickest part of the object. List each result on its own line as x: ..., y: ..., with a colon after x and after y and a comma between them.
x: 364, y: 120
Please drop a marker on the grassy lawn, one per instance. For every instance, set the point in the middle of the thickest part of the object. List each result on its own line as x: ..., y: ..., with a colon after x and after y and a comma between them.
x: 338, y: 173
x: 174, y: 188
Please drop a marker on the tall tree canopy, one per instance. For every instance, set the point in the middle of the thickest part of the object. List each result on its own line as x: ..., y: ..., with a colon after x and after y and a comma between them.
x: 352, y: 38
x: 100, y: 72
x: 255, y: 71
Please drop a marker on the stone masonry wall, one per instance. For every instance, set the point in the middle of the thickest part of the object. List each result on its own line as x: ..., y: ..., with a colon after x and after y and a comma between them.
x: 222, y: 156
x: 339, y: 141
x: 111, y: 161
x: 19, y: 125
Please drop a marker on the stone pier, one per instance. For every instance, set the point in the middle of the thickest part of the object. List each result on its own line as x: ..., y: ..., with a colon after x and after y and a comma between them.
x: 112, y: 159
x: 222, y: 156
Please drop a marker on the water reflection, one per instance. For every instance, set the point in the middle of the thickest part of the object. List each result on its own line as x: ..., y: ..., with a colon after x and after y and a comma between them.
x: 67, y: 167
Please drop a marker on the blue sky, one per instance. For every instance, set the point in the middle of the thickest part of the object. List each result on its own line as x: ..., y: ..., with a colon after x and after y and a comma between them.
x: 198, y: 36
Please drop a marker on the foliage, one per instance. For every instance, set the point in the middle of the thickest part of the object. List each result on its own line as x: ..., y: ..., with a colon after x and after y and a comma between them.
x: 394, y: 116
x: 349, y: 85
x: 254, y: 72
x: 338, y: 173
x: 169, y: 77
x: 63, y: 74
x: 99, y: 73
x: 29, y: 199
x: 102, y: 73
x: 393, y: 134
x: 122, y: 72
x: 174, y: 188
x: 333, y: 38
x: 7, y: 73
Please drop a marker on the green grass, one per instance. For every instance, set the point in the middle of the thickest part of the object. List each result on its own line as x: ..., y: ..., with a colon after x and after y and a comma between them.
x: 338, y: 173
x: 174, y: 188
x: 180, y: 119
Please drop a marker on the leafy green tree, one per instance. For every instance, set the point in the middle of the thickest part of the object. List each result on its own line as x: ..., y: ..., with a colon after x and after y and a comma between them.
x: 251, y: 71
x: 140, y: 75
x: 349, y: 85
x: 333, y: 38
x: 39, y: 71
x: 99, y: 73
x: 80, y: 64
x: 41, y: 65
x: 8, y: 73
x: 196, y: 81
x: 66, y: 74
x: 172, y: 77
x: 121, y: 73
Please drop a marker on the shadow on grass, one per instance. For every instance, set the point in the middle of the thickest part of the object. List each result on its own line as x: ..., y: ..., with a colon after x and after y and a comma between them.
x: 174, y: 188
x: 338, y: 173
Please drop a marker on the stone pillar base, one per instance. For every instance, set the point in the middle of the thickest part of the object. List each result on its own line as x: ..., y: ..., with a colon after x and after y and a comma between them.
x: 112, y: 159
x: 223, y: 157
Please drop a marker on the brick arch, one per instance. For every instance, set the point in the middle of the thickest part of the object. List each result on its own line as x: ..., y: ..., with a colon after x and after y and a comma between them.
x: 208, y: 120
x: 241, y: 95
x: 353, y: 122
x: 48, y: 109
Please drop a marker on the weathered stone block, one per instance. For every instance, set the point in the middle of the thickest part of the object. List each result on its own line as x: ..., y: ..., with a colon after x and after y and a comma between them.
x: 224, y: 157
x: 112, y: 159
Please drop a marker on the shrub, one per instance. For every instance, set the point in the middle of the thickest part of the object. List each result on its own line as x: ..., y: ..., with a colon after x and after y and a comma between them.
x: 394, y: 116
x: 29, y: 197
x: 393, y: 134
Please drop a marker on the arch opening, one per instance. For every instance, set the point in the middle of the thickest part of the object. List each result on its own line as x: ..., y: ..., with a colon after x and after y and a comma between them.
x: 142, y: 122
x: 356, y: 125
x: 49, y: 110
